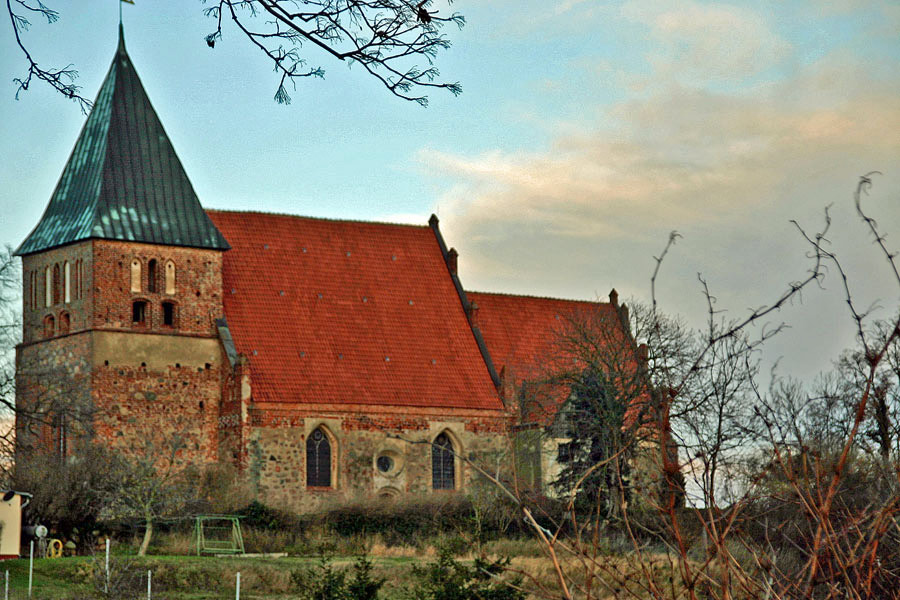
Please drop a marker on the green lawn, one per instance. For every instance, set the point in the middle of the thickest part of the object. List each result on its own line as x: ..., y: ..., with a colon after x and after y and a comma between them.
x: 184, y: 577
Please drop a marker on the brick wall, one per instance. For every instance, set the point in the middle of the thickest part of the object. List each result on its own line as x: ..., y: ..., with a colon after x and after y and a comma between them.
x: 142, y: 383
x: 142, y: 409
x: 198, y: 287
x: 79, y: 306
x: 148, y: 384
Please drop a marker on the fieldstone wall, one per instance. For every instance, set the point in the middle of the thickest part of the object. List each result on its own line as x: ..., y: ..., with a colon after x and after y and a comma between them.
x: 53, y: 380
x: 152, y: 393
x: 144, y: 386
x: 277, y: 453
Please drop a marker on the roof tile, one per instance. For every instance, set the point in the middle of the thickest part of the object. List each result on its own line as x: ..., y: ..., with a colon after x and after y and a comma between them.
x: 319, y: 343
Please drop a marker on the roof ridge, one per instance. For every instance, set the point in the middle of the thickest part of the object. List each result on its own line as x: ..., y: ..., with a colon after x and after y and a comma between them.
x: 536, y: 297
x: 312, y: 218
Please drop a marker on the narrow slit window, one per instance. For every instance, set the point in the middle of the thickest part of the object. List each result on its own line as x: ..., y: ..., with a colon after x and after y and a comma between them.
x: 318, y: 459
x: 79, y: 286
x: 56, y: 297
x: 76, y: 281
x: 152, y: 275
x: 139, y: 312
x: 61, y: 437
x: 443, y: 468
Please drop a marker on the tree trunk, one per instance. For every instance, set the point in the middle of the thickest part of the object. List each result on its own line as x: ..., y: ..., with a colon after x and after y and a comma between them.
x: 148, y: 533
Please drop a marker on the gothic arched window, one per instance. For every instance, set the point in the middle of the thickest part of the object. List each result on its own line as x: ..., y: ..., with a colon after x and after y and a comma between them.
x: 443, y: 467
x: 318, y: 459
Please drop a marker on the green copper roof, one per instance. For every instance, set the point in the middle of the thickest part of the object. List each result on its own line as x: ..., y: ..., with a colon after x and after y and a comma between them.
x: 124, y: 180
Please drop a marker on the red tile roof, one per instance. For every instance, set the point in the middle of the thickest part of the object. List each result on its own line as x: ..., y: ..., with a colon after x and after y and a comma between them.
x: 524, y: 335
x: 348, y: 312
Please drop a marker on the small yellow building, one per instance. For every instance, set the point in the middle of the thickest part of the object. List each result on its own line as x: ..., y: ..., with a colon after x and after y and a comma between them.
x: 11, y: 505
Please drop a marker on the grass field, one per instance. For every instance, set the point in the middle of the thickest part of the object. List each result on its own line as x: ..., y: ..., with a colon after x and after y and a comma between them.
x: 186, y: 577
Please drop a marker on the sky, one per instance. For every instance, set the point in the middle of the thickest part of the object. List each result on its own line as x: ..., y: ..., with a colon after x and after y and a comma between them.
x: 586, y: 132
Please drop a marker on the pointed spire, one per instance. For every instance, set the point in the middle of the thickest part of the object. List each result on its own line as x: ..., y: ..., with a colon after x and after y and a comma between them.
x: 123, y: 180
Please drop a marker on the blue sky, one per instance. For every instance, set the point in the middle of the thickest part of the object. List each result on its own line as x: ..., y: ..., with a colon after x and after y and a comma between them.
x: 585, y: 133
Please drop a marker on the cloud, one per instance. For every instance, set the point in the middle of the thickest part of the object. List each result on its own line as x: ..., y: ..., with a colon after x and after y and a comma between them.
x: 706, y: 42
x: 728, y: 168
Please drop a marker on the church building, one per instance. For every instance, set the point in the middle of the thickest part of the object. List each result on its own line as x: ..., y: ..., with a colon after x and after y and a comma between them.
x: 328, y: 360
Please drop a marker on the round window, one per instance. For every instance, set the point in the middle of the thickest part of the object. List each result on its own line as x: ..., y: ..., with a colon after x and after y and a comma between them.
x: 385, y: 463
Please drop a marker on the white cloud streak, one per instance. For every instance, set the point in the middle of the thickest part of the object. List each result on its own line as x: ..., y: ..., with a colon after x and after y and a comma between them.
x: 728, y: 167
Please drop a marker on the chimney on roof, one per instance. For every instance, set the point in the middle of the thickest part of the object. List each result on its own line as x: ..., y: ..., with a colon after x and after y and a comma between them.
x: 614, y: 297
x: 472, y: 313
x: 452, y: 256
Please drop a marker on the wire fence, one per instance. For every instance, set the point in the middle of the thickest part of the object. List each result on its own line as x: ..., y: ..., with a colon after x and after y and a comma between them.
x: 109, y: 591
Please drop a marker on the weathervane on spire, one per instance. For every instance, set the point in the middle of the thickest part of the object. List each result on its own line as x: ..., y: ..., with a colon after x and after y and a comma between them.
x: 120, y: 9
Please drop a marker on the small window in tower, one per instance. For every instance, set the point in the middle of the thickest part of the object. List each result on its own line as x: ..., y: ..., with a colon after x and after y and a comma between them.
x: 139, y: 312
x: 67, y: 282
x: 151, y: 275
x: 49, y: 326
x: 168, y: 314
x: 60, y: 436
x: 56, y: 283
x: 135, y: 275
x: 170, y: 277
x: 48, y: 287
x: 79, y: 279
x: 64, y: 323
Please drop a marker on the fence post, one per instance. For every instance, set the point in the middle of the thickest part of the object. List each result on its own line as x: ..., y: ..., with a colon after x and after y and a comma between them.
x: 6, y: 587
x: 237, y: 587
x: 30, y: 566
x: 106, y: 585
x: 149, y: 575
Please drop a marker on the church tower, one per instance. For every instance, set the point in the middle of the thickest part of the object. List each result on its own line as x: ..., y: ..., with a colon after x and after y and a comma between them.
x: 122, y: 286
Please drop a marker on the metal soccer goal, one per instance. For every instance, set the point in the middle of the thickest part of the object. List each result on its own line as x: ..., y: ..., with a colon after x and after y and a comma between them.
x: 218, y: 534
